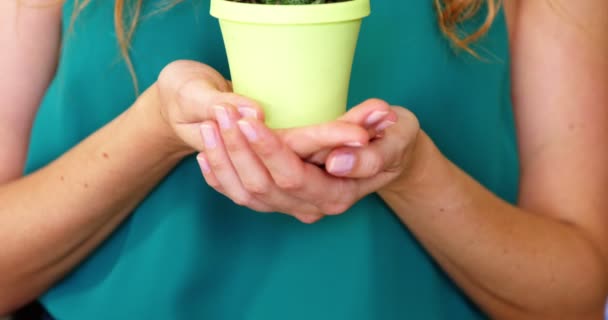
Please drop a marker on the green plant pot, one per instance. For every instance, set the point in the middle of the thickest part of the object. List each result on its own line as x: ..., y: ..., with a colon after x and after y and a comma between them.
x: 295, y: 60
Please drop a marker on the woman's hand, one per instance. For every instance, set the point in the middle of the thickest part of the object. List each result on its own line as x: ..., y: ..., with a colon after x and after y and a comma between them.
x: 249, y: 163
x: 258, y: 168
x: 386, y: 163
x: 189, y: 93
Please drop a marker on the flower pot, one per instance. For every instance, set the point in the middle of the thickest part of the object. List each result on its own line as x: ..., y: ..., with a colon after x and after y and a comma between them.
x: 295, y: 60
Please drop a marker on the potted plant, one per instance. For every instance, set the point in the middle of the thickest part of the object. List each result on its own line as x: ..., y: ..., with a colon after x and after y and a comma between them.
x: 293, y: 56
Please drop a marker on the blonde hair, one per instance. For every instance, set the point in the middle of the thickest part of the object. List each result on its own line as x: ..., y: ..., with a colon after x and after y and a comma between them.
x: 125, y: 28
x: 451, y: 15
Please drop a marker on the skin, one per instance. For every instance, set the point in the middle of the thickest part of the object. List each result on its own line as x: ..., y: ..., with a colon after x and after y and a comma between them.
x: 46, y: 234
x: 552, y: 243
x: 158, y: 131
x: 549, y: 244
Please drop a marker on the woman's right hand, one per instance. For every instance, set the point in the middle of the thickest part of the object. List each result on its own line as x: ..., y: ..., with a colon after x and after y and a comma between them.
x: 189, y: 93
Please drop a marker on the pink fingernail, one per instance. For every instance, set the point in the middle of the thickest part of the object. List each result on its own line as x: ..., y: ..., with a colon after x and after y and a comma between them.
x: 222, y: 117
x: 374, y: 117
x: 354, y: 144
x: 202, y: 162
x: 384, y: 125
x: 341, y: 164
x: 209, y: 137
x: 248, y: 130
x: 247, y: 112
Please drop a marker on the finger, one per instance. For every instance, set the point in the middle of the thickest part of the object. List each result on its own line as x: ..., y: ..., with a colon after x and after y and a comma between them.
x: 284, y: 166
x: 291, y: 174
x: 249, y: 169
x: 196, y: 102
x: 305, y: 141
x: 176, y: 74
x: 367, y: 114
x: 373, y: 115
x: 364, y: 163
x: 252, y: 173
x: 375, y: 132
x: 388, y: 121
x: 197, y: 87
x: 228, y: 182
x: 382, y: 155
x: 213, y: 182
x: 309, y: 218
x: 208, y: 174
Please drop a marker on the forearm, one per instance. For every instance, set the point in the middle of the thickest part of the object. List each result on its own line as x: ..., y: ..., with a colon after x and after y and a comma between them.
x: 512, y: 262
x: 52, y: 219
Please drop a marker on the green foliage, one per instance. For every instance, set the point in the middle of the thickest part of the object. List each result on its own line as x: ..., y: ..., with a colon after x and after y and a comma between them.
x: 289, y: 1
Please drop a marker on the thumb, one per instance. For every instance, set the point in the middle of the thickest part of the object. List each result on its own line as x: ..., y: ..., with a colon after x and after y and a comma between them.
x: 192, y: 89
x: 176, y: 74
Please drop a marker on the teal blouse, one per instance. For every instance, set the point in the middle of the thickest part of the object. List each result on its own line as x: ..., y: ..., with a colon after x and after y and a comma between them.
x: 187, y: 252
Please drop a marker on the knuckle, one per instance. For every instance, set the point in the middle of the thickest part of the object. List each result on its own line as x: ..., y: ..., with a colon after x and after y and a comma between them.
x: 290, y: 183
x: 183, y: 92
x: 232, y: 145
x: 335, y: 207
x: 174, y: 71
x: 343, y: 199
x: 263, y: 209
x: 264, y: 149
x: 257, y: 187
x: 214, y: 77
x: 218, y: 165
x: 182, y: 79
x: 267, y: 147
x: 306, y: 210
x: 376, y: 101
x: 184, y: 66
x: 309, y: 219
x: 243, y: 199
x: 375, y: 165
x: 215, y: 185
x: 170, y: 69
x: 408, y: 117
x: 290, y: 138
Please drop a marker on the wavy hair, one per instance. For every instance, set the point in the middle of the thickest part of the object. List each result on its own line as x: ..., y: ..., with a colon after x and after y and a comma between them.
x: 451, y: 14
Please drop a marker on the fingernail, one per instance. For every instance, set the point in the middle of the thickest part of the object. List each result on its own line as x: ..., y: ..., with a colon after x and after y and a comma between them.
x: 374, y: 117
x: 354, y: 144
x: 247, y: 112
x: 341, y: 164
x: 222, y: 117
x: 202, y: 162
x: 384, y: 125
x: 209, y: 137
x: 248, y: 130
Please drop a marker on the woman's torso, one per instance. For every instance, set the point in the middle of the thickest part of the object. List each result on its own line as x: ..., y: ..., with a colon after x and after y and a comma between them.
x: 189, y: 253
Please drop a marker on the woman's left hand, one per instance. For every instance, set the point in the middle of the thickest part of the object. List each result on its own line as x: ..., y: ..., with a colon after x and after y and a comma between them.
x: 387, y: 162
x: 258, y: 168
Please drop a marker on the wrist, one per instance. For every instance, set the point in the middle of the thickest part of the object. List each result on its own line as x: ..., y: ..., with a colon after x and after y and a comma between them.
x: 424, y: 170
x: 147, y: 111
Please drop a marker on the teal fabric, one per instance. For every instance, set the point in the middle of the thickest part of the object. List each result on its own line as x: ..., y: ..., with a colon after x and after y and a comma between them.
x: 188, y: 253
